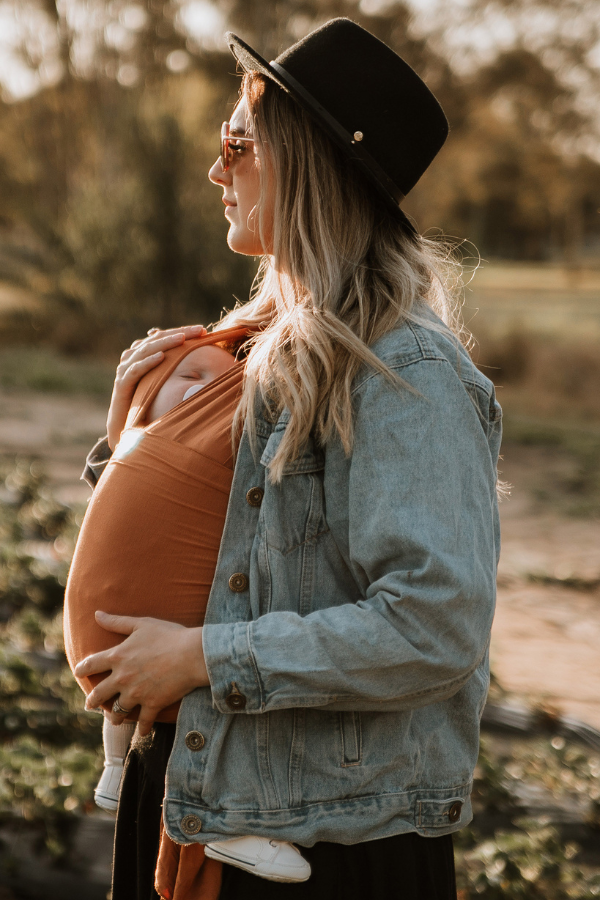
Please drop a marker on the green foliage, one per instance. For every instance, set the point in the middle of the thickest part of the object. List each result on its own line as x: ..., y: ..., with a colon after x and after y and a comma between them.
x: 575, y: 488
x: 490, y: 790
x: 528, y: 860
x: 533, y: 864
x: 50, y: 748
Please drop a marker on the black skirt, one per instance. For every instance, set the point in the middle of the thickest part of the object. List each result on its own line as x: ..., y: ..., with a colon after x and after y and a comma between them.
x: 403, y: 867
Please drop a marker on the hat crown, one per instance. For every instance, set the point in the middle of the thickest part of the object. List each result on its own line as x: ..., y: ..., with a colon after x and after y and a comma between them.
x: 354, y: 84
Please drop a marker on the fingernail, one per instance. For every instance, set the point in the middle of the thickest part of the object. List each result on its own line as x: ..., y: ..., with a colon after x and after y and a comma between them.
x: 196, y: 329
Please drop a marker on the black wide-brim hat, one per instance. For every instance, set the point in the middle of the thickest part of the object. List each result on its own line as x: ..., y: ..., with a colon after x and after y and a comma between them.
x: 367, y: 99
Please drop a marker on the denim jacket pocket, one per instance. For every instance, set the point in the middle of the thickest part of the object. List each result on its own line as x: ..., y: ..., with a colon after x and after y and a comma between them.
x: 311, y: 460
x: 293, y: 512
x: 351, y: 730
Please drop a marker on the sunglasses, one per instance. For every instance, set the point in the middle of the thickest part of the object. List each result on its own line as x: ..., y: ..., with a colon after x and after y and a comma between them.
x: 229, y: 144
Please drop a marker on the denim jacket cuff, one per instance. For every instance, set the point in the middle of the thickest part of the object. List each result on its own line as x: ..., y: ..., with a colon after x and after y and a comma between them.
x: 96, y: 462
x: 234, y: 678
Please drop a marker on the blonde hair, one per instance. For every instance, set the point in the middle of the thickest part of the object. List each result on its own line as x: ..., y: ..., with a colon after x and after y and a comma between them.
x: 341, y: 272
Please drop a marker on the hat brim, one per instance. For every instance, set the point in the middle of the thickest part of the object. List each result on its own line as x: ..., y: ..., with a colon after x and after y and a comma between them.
x: 251, y: 61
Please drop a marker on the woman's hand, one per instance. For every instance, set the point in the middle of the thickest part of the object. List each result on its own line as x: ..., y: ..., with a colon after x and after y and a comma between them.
x: 156, y: 665
x: 135, y: 362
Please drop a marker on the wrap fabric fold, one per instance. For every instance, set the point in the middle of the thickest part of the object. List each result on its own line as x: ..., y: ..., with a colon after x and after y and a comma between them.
x: 183, y: 872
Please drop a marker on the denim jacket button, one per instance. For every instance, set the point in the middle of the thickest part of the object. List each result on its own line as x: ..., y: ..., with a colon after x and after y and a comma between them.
x: 191, y: 825
x: 238, y: 583
x: 235, y: 700
x: 194, y: 740
x: 255, y: 495
x: 454, y: 812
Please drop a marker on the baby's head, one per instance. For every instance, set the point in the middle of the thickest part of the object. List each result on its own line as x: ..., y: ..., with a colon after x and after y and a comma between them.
x: 194, y: 372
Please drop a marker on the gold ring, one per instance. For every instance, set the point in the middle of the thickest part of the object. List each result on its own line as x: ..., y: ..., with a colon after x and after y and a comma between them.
x: 118, y: 709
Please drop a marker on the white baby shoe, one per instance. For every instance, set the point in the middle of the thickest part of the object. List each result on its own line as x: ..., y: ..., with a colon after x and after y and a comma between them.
x: 275, y: 860
x: 106, y: 794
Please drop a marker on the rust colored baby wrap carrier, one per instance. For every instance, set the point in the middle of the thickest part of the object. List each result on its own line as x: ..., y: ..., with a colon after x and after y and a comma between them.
x: 150, y: 538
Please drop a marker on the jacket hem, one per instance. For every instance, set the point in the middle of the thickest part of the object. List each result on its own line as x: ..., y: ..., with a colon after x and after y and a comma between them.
x: 428, y: 812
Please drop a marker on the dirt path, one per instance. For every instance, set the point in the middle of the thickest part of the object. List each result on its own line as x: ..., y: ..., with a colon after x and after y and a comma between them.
x: 546, y: 634
x: 59, y: 429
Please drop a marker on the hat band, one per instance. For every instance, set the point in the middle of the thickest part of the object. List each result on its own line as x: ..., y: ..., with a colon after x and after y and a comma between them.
x: 357, y: 151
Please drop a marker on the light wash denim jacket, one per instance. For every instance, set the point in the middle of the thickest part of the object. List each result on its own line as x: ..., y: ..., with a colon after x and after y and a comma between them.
x: 348, y: 624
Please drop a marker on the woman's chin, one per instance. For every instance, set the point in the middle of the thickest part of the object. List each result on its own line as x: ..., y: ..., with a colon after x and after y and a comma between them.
x: 243, y: 241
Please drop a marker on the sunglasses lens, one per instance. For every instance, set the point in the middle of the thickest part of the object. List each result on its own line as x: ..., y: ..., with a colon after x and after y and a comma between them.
x: 225, y: 160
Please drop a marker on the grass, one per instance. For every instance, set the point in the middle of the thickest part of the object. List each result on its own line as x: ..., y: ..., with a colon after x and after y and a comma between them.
x: 537, y: 332
x: 47, y: 371
x: 546, y: 300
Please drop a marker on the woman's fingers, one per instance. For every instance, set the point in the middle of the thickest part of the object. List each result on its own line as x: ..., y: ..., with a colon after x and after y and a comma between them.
x: 104, y: 660
x: 94, y: 664
x: 157, y: 664
x: 102, y: 693
x: 157, y: 334
x: 188, y: 330
x: 149, y: 346
x: 146, y: 719
x: 117, y: 624
x: 130, y: 372
x: 137, y: 361
x: 146, y: 716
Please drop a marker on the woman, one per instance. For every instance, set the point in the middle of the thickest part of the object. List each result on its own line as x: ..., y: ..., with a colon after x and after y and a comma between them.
x: 339, y: 679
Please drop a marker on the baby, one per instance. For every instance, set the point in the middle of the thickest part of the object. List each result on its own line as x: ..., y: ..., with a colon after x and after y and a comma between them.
x: 195, y: 370
x: 275, y: 860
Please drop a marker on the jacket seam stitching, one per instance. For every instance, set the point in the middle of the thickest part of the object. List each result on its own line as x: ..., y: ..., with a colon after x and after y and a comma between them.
x: 400, y: 365
x: 252, y: 660
x: 457, y: 792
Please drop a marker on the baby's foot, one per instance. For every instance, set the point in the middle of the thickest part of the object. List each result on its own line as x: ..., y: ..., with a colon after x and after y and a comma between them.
x: 275, y: 860
x: 106, y: 794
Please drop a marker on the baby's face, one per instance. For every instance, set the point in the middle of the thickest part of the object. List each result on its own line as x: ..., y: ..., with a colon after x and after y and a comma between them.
x: 195, y: 371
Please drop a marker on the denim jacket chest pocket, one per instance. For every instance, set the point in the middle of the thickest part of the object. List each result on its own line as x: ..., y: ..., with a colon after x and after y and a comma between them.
x: 290, y: 524
x: 293, y: 510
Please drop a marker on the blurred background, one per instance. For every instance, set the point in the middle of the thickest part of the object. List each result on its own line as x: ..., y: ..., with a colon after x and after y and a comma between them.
x: 109, y: 120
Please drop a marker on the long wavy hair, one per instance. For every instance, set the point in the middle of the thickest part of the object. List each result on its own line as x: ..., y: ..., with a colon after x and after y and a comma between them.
x: 340, y: 272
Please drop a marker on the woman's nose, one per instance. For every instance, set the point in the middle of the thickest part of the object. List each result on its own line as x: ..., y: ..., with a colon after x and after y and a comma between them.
x: 216, y: 173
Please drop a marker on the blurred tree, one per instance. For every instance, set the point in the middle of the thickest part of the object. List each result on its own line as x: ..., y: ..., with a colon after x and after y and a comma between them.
x: 106, y: 213
x: 521, y: 170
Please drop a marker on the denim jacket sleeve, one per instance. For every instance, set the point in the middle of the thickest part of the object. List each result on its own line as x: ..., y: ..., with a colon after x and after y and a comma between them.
x: 413, y: 513
x: 96, y: 462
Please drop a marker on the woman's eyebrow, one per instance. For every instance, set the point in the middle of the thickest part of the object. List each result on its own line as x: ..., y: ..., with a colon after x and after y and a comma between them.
x: 237, y: 131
